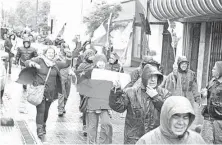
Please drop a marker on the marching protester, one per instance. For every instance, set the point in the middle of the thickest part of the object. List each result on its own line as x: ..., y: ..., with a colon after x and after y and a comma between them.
x: 87, y: 63
x: 176, y: 117
x: 114, y: 65
x: 143, y: 104
x: 23, y: 54
x: 8, y: 48
x: 212, y: 111
x: 44, y: 65
x: 66, y: 82
x: 98, y: 108
x: 182, y: 81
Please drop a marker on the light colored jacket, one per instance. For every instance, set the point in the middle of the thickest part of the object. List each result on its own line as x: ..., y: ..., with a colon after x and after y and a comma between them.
x: 163, y: 134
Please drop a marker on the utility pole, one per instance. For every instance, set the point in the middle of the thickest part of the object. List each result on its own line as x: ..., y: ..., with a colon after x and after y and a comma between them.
x: 36, y: 21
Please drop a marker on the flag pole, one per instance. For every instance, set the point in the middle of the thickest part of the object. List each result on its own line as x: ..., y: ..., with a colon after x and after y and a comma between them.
x: 108, y: 29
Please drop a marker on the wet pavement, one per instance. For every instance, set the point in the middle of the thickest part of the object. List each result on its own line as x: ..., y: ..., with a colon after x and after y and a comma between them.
x: 60, y: 130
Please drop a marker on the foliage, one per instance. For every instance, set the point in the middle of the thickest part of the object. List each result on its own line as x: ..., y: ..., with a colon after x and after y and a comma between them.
x: 25, y: 14
x: 100, y: 12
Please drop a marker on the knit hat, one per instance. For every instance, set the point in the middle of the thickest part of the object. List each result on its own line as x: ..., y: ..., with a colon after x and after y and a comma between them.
x: 148, y: 71
x: 149, y: 60
x: 88, y: 53
x: 218, y: 65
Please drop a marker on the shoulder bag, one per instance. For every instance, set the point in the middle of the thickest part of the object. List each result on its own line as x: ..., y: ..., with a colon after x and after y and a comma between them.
x: 35, y: 94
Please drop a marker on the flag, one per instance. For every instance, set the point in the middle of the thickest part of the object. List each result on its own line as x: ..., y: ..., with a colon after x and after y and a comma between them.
x: 62, y: 30
x: 142, y: 13
x: 107, y: 75
x: 145, y: 24
x: 101, y: 34
x: 90, y: 87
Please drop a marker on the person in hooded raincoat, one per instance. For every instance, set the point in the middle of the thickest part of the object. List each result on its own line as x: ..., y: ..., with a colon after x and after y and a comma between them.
x: 143, y: 104
x: 212, y: 111
x: 182, y: 81
x: 176, y: 117
x: 136, y: 74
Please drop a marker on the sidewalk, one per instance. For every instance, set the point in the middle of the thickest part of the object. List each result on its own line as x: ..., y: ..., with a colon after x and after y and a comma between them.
x: 65, y: 130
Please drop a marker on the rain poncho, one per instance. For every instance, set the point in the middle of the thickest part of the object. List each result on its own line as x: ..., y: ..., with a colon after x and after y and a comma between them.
x: 143, y: 112
x: 163, y: 134
x: 183, y: 83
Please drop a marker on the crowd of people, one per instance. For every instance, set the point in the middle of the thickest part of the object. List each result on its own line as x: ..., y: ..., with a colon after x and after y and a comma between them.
x: 159, y: 109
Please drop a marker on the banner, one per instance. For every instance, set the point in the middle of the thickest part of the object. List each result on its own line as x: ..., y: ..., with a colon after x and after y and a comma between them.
x: 99, y: 74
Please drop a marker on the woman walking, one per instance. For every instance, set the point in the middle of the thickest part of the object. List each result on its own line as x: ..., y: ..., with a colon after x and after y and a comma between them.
x: 53, y: 84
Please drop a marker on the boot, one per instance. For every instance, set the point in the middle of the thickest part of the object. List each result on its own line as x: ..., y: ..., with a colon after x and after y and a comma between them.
x: 40, y: 131
x: 44, y: 128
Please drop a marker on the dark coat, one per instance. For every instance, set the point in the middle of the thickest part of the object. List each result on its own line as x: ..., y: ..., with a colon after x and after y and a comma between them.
x: 38, y: 76
x: 25, y: 54
x: 142, y: 111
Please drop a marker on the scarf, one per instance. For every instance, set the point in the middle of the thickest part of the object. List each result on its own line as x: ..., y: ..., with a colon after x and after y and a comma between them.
x: 48, y: 62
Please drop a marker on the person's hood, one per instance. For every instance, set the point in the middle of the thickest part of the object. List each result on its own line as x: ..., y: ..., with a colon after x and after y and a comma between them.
x: 26, y: 40
x: 218, y: 64
x: 174, y: 105
x: 148, y: 71
x: 180, y: 60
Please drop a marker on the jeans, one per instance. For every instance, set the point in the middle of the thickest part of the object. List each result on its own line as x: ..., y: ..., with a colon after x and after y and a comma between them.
x: 62, y: 98
x: 42, y: 112
x: 106, y: 131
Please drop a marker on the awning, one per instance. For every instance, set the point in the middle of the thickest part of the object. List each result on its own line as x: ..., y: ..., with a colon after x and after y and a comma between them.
x: 176, y: 9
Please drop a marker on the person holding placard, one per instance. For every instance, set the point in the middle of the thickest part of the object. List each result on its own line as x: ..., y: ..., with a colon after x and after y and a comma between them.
x: 143, y: 104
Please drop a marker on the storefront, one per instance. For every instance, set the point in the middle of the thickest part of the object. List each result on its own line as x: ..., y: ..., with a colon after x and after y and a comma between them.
x: 202, y: 31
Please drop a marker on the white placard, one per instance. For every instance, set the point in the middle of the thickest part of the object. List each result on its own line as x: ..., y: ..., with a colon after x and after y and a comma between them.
x: 100, y: 74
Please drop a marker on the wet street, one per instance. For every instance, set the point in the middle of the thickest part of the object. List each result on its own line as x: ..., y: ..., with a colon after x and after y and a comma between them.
x: 60, y: 130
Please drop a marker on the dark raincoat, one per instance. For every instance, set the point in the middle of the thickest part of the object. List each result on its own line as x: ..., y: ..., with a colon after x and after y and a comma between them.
x: 163, y: 134
x: 212, y: 127
x: 142, y: 110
